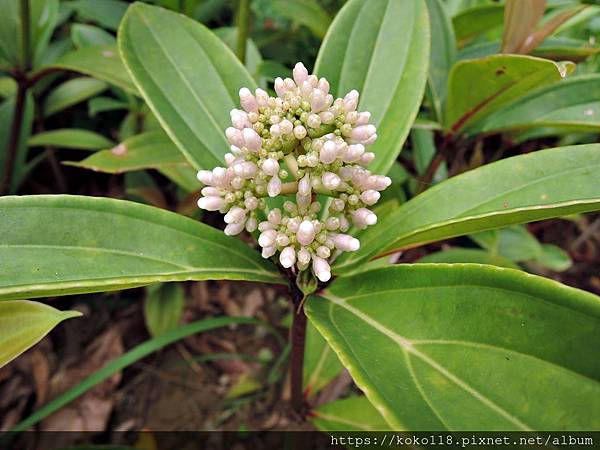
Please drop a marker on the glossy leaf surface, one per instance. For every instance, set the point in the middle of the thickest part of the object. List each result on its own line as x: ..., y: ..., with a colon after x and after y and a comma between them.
x: 466, y: 347
x: 56, y: 245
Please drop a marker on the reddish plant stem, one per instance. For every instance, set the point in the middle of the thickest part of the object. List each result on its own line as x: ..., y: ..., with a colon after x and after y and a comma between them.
x: 297, y: 338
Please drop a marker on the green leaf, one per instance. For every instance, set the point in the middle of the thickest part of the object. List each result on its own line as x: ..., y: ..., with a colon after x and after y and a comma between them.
x: 163, y: 308
x: 70, y: 138
x: 72, y: 244
x: 72, y: 92
x: 321, y: 365
x: 525, y: 188
x: 151, y: 150
x: 84, y: 35
x: 44, y: 16
x: 253, y: 58
x: 572, y: 104
x: 442, y: 55
x: 107, y: 13
x: 466, y: 347
x: 554, y: 258
x: 515, y: 243
x: 304, y: 12
x: 163, y: 51
x: 98, y: 61
x: 498, y: 79
x: 10, y: 28
x: 468, y: 255
x: 380, y: 49
x: 350, y: 414
x: 23, y: 324
x: 98, y: 105
x: 474, y: 21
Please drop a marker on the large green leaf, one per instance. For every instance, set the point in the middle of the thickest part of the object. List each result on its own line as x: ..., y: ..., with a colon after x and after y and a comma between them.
x: 187, y: 75
x: 380, y: 49
x: 151, y: 150
x: 70, y: 138
x: 572, y: 104
x: 443, y: 54
x: 474, y: 21
x: 525, y: 188
x: 23, y: 324
x: 56, y: 245
x: 98, y: 61
x: 466, y: 347
x: 350, y: 414
x: 479, y: 87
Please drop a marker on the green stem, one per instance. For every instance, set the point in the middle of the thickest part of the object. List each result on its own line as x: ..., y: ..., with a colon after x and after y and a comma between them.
x: 25, y: 36
x: 243, y: 19
x: 15, y: 134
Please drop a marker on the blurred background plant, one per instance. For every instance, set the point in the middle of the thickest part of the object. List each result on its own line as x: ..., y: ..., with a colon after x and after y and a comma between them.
x: 72, y: 121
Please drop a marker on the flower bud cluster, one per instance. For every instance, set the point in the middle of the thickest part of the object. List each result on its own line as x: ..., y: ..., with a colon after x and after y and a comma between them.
x: 301, y: 143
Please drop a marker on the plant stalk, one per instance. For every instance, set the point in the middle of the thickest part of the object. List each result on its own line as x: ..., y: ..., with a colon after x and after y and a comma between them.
x: 297, y: 338
x: 25, y: 36
x: 15, y: 135
x: 243, y: 22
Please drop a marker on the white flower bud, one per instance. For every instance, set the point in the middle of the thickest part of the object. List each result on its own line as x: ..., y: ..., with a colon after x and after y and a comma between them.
x: 362, y: 133
x: 239, y: 119
x: 306, y: 233
x: 234, y: 136
x: 362, y: 218
x: 351, y: 100
x: 210, y: 191
x: 323, y: 252
x: 338, y: 204
x: 381, y: 182
x: 328, y: 153
x: 247, y: 100
x: 251, y: 203
x: 205, y: 177
x: 274, y: 186
x: 303, y: 256
x: 363, y: 118
x: 330, y: 180
x: 274, y: 216
x: 234, y: 228
x: 345, y: 242
x: 262, y: 98
x: 367, y: 158
x: 270, y: 167
x: 287, y: 258
x: 252, y: 140
x: 251, y: 224
x: 299, y: 132
x: 235, y: 215
x: 280, y: 87
x: 282, y: 240
x: 332, y: 223
x: 317, y: 100
x: 313, y: 121
x: 267, y: 252
x: 354, y: 152
x: 371, y: 140
x: 327, y: 117
x: 211, y: 203
x: 304, y: 186
x: 321, y: 269
x: 370, y: 197
x: 323, y: 85
x: 300, y: 73
x: 286, y: 126
x: 267, y: 237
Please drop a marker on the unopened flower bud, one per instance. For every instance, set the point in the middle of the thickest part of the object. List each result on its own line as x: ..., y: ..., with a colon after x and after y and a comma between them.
x: 287, y: 258
x: 321, y: 269
x: 345, y: 242
x: 247, y: 100
x: 211, y: 203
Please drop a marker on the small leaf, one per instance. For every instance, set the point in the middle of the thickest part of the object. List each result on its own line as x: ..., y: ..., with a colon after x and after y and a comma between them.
x: 381, y: 49
x: 515, y: 190
x: 84, y: 35
x: 98, y: 105
x: 74, y: 244
x: 151, y: 150
x: 466, y: 347
x: 72, y: 92
x: 23, y: 324
x: 163, y: 52
x: 70, y: 138
x: 498, y: 79
x: 554, y: 258
x: 163, y: 308
x: 572, y: 104
x: 349, y: 414
x: 515, y: 243
x: 304, y: 12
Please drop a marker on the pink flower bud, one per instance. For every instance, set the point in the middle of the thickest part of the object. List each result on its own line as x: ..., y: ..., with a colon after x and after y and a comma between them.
x: 247, y: 100
x: 274, y: 216
x: 300, y: 73
x: 330, y: 180
x: 362, y: 218
x: 381, y: 182
x: 274, y: 186
x: 304, y: 186
x: 239, y: 119
x: 323, y: 85
x: 251, y: 224
x: 313, y: 121
x: 370, y: 197
x: 362, y: 133
x: 234, y: 228
x: 267, y: 238
x: 363, y: 118
x: 234, y: 136
x: 332, y: 223
x: 210, y: 191
x: 351, y: 100
x: 321, y: 269
x: 299, y: 132
x: 287, y: 258
x: 205, y: 177
x: 327, y: 117
x: 303, y: 256
x: 345, y: 242
x: 280, y: 87
x: 262, y: 98
x: 323, y: 252
x: 235, y: 215
x: 329, y: 152
x: 286, y: 126
x: 306, y: 232
x: 211, y: 203
x: 367, y: 158
x: 371, y: 139
x: 354, y: 152
x: 252, y: 140
x: 267, y: 252
x: 282, y: 240
x: 270, y: 167
x: 317, y: 100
